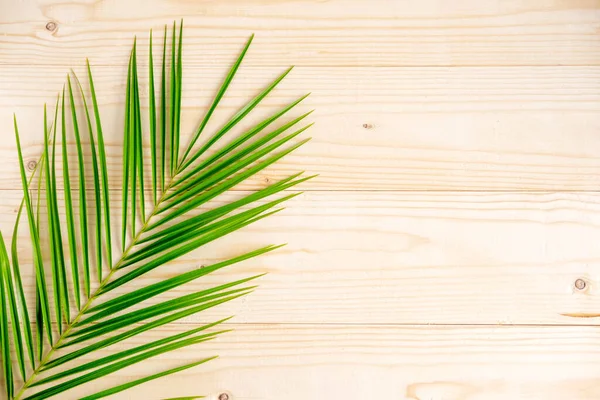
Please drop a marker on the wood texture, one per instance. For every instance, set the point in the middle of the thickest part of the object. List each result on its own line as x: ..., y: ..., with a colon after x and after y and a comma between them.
x: 313, y: 32
x: 435, y: 256
x: 517, y: 128
x: 377, y: 361
x: 402, y: 258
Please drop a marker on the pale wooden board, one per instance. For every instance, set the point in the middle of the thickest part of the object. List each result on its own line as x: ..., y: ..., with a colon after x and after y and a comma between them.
x: 298, y: 362
x: 376, y: 257
x: 312, y: 32
x: 517, y: 128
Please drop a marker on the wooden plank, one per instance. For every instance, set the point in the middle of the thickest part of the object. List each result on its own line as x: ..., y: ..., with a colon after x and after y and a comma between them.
x: 312, y: 32
x: 377, y: 257
x: 517, y: 128
x: 298, y: 362
x: 386, y: 247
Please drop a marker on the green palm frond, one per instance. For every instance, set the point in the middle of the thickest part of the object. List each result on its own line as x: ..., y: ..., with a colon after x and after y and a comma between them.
x: 74, y: 314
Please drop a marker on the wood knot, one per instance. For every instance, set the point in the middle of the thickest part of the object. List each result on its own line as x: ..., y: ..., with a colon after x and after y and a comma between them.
x: 223, y: 396
x: 51, y: 26
x: 368, y: 126
x: 580, y: 284
x: 31, y: 165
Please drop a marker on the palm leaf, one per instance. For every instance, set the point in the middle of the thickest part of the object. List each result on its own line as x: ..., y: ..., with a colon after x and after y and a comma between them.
x: 89, y: 320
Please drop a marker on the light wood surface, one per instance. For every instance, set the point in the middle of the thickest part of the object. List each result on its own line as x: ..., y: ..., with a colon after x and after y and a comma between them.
x: 313, y: 32
x: 298, y: 361
x: 458, y: 147
x: 404, y: 258
x: 493, y: 128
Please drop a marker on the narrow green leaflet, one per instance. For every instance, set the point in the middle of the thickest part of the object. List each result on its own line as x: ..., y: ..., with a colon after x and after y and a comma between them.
x: 12, y: 301
x: 126, y: 156
x: 152, y: 117
x: 4, y: 331
x: 186, y: 398
x: 173, y: 97
x: 103, y: 169
x: 39, y: 318
x: 179, y: 80
x: 83, y: 219
x: 163, y: 116
x: 139, y: 156
x: 39, y: 315
x: 125, y: 386
x: 23, y: 316
x: 58, y: 309
x: 62, y: 266
x: 133, y: 151
x: 73, y: 247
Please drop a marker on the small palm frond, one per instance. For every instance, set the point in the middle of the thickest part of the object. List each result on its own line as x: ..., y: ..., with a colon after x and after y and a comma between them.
x: 77, y: 310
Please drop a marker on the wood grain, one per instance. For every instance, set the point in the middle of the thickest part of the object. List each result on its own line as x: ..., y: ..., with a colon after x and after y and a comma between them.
x: 312, y: 32
x: 297, y: 362
x: 401, y: 258
x: 517, y: 128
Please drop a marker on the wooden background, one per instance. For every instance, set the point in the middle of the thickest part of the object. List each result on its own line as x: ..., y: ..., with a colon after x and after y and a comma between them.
x: 458, y: 147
